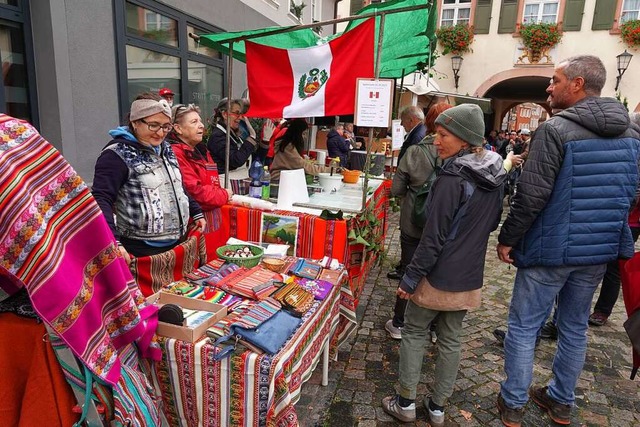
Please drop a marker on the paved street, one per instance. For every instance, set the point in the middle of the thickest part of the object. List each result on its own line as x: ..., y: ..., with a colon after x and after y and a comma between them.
x: 367, y: 366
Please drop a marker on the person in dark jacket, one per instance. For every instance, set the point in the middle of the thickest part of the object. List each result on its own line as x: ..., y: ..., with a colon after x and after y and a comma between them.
x: 337, y: 145
x: 412, y: 120
x: 415, y: 169
x: 445, y: 276
x: 567, y: 220
x: 240, y: 150
x: 137, y: 179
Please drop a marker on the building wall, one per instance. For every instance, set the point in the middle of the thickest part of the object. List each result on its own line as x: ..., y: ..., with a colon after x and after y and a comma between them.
x: 77, y: 72
x: 76, y: 77
x: 495, y: 53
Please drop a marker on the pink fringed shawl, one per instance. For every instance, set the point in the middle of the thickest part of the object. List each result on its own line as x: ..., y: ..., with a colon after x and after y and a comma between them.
x: 55, y: 242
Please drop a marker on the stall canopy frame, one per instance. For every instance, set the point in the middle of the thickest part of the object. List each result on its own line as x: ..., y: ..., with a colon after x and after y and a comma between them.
x: 407, y: 46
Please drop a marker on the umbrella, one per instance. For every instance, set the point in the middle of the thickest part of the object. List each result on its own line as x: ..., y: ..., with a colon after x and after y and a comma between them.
x: 630, y: 277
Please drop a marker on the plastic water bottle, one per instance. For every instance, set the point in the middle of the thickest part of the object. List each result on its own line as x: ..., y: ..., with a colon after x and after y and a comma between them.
x: 255, y: 172
x: 265, y: 180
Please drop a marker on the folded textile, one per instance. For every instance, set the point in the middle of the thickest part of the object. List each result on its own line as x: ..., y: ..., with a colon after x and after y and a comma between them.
x: 262, y: 327
x: 307, y: 269
x: 318, y: 288
x: 55, y: 243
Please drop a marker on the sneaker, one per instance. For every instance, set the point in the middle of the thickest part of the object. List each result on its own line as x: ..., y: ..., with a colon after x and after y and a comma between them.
x: 394, y: 331
x: 435, y: 418
x: 598, y: 319
x: 394, y: 275
x: 510, y: 417
x: 549, y: 331
x: 392, y: 407
x: 500, y: 335
x: 559, y: 413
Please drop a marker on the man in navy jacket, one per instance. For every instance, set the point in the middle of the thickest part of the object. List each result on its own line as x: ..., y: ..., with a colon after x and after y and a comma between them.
x: 567, y: 220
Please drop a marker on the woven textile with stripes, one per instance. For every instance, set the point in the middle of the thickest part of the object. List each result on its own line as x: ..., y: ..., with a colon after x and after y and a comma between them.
x: 55, y: 242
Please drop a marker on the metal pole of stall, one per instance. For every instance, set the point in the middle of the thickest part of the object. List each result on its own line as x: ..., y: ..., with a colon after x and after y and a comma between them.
x: 367, y: 162
x: 227, y: 121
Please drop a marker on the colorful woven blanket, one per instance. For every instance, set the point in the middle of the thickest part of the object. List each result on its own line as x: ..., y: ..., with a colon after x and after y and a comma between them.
x: 55, y: 242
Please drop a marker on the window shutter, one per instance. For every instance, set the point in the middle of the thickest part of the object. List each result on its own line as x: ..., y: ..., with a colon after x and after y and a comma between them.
x: 573, y: 11
x: 482, y: 19
x: 604, y: 14
x: 508, y: 16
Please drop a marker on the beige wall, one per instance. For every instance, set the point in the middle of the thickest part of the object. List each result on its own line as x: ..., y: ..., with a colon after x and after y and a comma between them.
x: 495, y: 53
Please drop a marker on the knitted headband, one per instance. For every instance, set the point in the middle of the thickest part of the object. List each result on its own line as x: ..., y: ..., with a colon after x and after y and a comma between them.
x: 148, y: 107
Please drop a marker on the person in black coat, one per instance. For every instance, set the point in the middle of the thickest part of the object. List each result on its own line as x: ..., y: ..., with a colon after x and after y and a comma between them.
x: 412, y: 120
x: 337, y: 145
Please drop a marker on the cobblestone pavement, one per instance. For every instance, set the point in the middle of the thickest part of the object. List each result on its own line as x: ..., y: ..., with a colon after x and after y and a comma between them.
x: 367, y: 366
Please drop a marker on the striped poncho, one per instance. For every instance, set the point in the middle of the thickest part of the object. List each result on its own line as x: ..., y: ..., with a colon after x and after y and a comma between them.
x: 55, y: 242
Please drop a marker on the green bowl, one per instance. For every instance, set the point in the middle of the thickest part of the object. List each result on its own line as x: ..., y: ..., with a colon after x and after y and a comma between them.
x: 248, y: 262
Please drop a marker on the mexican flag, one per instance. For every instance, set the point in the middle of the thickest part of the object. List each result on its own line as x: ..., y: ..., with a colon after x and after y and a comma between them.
x: 310, y: 82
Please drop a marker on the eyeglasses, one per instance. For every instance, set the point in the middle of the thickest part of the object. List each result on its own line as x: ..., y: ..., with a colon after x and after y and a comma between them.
x: 236, y: 114
x: 155, y: 127
x: 183, y: 109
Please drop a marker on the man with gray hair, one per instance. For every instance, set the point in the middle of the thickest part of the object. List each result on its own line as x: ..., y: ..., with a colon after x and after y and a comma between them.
x: 566, y: 222
x: 412, y: 120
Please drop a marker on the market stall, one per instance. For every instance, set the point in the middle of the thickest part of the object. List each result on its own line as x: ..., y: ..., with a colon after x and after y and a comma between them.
x: 315, y: 236
x: 247, y: 388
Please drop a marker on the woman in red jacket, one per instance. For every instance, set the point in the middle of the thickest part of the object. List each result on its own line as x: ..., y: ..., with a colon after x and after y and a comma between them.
x: 199, y: 171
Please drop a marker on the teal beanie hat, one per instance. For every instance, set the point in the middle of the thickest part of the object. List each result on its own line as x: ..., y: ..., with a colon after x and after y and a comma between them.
x: 466, y: 121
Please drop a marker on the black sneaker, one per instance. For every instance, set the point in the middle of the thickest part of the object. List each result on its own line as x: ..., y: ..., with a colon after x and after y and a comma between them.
x: 559, y: 413
x: 500, y: 335
x: 510, y: 417
x: 549, y: 331
x: 394, y: 275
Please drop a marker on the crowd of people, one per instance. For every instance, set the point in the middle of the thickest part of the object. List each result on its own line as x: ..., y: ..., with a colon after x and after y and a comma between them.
x: 159, y: 178
x: 569, y: 222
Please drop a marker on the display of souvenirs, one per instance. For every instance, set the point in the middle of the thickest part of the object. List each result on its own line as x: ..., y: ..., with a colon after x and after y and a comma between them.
x: 306, y: 268
x: 332, y: 276
x: 294, y: 298
x: 318, y: 288
x: 256, y: 283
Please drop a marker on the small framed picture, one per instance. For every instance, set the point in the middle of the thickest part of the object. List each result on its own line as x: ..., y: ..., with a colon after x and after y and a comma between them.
x: 281, y: 230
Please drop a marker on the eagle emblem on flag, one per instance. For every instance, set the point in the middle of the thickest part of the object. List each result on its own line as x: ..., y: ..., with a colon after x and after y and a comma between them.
x: 311, y: 83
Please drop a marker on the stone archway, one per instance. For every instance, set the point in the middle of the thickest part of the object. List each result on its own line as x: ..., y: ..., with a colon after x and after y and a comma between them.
x: 516, y: 86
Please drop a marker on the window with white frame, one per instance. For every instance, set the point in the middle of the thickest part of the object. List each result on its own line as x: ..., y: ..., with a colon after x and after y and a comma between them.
x: 455, y: 12
x: 536, y: 11
x: 630, y: 10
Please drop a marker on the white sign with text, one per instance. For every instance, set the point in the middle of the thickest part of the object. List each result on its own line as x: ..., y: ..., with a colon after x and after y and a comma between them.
x: 373, y: 103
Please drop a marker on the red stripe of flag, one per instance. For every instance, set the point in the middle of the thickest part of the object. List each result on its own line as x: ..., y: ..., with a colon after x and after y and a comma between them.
x: 270, y: 79
x: 352, y: 59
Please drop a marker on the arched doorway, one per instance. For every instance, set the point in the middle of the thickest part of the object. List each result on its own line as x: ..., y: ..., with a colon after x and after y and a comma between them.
x: 512, y: 87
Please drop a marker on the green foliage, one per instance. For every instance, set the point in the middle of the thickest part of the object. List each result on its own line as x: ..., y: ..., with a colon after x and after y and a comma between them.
x: 623, y: 100
x: 297, y: 9
x: 285, y: 236
x: 540, y: 36
x: 630, y: 33
x: 455, y: 39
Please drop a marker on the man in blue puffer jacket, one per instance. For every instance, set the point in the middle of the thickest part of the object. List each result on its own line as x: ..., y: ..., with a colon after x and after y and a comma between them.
x: 567, y: 221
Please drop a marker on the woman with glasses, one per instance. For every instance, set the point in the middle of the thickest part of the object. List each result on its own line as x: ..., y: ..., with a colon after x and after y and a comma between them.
x: 240, y: 150
x: 137, y: 180
x: 199, y: 171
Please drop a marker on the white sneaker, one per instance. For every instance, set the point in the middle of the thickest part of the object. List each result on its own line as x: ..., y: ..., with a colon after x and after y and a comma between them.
x: 435, y: 418
x: 396, y: 333
x: 392, y: 407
